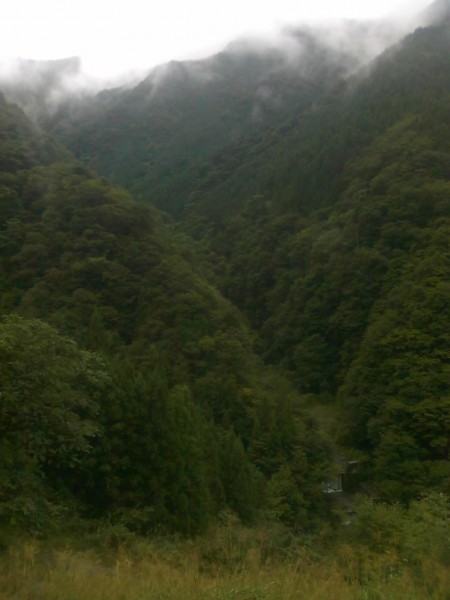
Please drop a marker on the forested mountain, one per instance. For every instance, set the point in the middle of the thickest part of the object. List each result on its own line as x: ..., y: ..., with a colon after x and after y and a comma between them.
x: 147, y: 402
x: 338, y: 253
x: 315, y: 195
x: 327, y: 227
x: 154, y: 137
x: 334, y: 242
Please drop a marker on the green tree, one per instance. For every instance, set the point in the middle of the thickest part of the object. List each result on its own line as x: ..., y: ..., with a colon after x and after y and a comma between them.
x: 48, y: 412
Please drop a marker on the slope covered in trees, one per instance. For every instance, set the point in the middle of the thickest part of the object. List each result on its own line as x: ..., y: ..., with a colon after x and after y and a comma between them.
x: 147, y: 403
x: 324, y: 221
x: 338, y: 253
x: 154, y: 137
x: 329, y: 230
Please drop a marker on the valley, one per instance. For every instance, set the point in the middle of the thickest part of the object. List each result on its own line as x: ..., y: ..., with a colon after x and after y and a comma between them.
x: 218, y: 286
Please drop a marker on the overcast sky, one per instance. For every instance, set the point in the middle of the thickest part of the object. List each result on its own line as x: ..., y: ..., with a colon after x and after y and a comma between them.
x: 113, y: 36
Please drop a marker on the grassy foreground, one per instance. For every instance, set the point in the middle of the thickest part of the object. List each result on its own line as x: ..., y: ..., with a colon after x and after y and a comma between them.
x: 229, y: 563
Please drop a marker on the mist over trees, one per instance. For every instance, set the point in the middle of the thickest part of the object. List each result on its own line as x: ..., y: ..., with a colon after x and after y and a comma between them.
x: 195, y: 267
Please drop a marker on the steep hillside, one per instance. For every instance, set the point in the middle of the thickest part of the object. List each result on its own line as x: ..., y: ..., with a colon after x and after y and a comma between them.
x: 152, y: 138
x: 178, y: 420
x: 320, y: 202
x: 328, y: 230
x: 333, y: 238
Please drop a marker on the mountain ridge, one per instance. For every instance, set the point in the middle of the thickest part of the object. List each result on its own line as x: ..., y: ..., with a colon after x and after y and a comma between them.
x: 321, y: 235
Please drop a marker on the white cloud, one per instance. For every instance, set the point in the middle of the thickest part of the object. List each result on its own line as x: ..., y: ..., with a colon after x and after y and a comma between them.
x: 112, y: 36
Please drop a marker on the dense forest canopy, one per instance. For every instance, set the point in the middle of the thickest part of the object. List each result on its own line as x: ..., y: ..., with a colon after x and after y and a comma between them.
x: 161, y: 371
x: 185, y: 402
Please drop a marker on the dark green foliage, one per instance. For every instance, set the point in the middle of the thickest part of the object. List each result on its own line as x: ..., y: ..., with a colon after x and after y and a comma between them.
x: 317, y: 231
x: 397, y: 391
x: 155, y: 468
x: 283, y: 446
x: 338, y: 256
x: 84, y: 256
x: 244, y: 486
x: 329, y: 229
x: 23, y: 145
x: 49, y: 397
x: 421, y: 530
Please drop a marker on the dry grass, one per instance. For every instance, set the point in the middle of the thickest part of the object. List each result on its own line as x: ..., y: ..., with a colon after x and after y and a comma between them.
x: 221, y: 567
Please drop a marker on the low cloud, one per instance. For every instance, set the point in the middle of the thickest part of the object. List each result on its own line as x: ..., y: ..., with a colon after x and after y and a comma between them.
x: 40, y: 86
